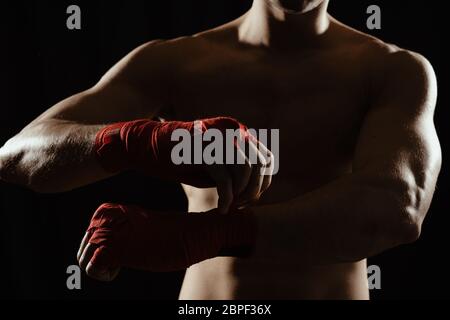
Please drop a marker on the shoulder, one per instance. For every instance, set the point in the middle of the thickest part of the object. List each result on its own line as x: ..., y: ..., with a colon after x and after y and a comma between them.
x: 187, y: 48
x: 392, y: 72
x: 395, y: 72
x: 172, y: 50
x: 160, y: 53
x: 403, y: 75
x: 390, y: 61
x: 382, y: 56
x: 157, y: 59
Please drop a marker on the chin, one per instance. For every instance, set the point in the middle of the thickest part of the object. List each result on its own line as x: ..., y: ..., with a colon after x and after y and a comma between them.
x: 297, y: 6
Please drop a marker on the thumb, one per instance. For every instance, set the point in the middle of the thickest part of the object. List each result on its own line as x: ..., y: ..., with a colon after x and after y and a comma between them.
x: 224, y: 185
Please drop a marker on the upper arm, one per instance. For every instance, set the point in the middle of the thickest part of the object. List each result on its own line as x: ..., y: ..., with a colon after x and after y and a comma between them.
x: 136, y: 87
x: 398, y: 147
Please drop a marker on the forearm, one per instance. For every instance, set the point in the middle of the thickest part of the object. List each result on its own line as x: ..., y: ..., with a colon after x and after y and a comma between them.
x: 52, y: 156
x: 130, y: 236
x: 345, y: 221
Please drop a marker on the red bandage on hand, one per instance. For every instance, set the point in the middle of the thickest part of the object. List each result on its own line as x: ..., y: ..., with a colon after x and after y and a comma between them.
x: 129, y: 236
x: 146, y: 146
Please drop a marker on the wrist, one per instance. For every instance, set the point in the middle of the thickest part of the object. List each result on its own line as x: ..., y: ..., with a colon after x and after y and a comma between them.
x: 109, y: 149
x: 241, y: 228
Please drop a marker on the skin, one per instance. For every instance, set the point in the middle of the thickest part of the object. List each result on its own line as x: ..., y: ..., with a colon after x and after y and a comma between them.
x: 360, y: 155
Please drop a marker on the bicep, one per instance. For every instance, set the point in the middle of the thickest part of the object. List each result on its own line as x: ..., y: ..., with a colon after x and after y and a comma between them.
x: 394, y: 145
x: 99, y: 105
x: 132, y: 89
x: 398, y: 141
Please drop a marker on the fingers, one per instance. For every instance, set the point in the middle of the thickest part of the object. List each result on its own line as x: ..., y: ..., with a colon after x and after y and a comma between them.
x: 261, y: 177
x: 244, y: 182
x: 224, y: 187
x: 241, y: 173
x: 267, y: 181
x: 83, y: 245
x: 253, y: 190
x: 104, y: 276
x: 87, y: 255
x: 101, y: 266
x: 96, y: 261
x: 268, y: 166
x: 269, y: 160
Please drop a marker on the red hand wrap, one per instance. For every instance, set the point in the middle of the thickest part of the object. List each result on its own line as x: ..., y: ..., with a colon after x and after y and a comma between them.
x: 132, y: 237
x: 146, y: 146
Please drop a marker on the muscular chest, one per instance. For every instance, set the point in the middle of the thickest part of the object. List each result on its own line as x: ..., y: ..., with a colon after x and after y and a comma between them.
x: 318, y: 104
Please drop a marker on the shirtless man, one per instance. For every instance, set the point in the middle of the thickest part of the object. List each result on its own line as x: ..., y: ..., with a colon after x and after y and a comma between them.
x: 360, y: 155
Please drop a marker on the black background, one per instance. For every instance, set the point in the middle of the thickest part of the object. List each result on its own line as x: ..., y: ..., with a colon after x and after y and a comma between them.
x: 43, y: 62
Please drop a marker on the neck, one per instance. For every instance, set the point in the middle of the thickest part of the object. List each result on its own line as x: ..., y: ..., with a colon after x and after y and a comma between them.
x: 269, y: 26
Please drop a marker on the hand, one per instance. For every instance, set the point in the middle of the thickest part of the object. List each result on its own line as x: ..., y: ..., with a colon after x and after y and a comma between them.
x: 147, y: 146
x: 84, y: 256
x: 241, y: 185
x: 133, y: 237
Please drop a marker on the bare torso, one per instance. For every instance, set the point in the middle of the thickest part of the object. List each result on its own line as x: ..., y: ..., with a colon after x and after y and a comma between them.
x: 319, y: 91
x: 318, y: 99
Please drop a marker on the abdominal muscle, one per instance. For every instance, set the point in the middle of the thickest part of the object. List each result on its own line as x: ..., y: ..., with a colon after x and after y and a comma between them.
x: 234, y: 279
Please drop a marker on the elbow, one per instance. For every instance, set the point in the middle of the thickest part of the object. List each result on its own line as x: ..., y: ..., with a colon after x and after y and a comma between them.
x: 396, y: 211
x: 12, y: 173
x: 407, y: 229
x: 33, y: 176
x: 16, y: 168
x: 405, y: 207
x: 10, y: 168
